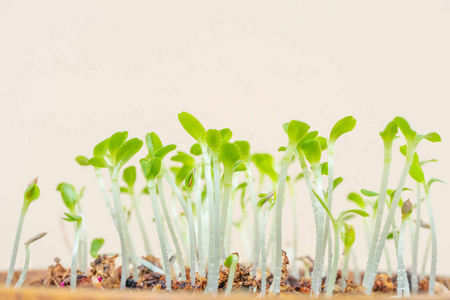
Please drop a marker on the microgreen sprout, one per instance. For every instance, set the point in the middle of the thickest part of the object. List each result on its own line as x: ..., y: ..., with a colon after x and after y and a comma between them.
x: 231, y: 263
x: 189, y: 183
x: 95, y: 247
x: 402, y: 283
x: 348, y: 238
x: 76, y: 242
x: 23, y: 275
x: 31, y: 194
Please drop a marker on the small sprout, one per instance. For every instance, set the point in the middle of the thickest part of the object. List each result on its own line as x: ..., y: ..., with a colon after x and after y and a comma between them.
x: 357, y: 199
x: 226, y: 134
x: 193, y: 127
x: 101, y: 149
x: 369, y: 193
x: 129, y: 175
x: 196, y: 149
x: 190, y: 179
x: 342, y: 126
x: 406, y: 209
x: 213, y: 139
x: 162, y: 152
x: 95, y: 246
x: 82, y: 160
x: 73, y: 269
x: 231, y: 263
x: 153, y: 143
x: 69, y: 196
x: 23, y: 275
x: 99, y: 162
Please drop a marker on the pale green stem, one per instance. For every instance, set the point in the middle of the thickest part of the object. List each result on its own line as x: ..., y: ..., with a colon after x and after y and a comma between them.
x: 388, y: 261
x: 229, y: 223
x: 192, y: 239
x: 347, y: 252
x: 131, y: 250
x: 82, y: 255
x: 294, y: 269
x: 198, y: 201
x: 253, y: 198
x: 278, y: 216
x: 140, y: 219
x: 227, y: 178
x: 120, y: 221
x: 415, y: 245
x: 330, y: 259
x: 431, y: 286
x: 425, y: 257
x: 231, y: 277
x: 372, y: 265
x: 73, y: 268
x: 159, y: 227
x: 214, y: 215
x: 171, y: 228
x: 332, y: 280
x: 262, y: 238
x: 319, y: 221
x: 16, y: 245
x: 23, y: 275
x: 356, y: 272
x: 220, y: 255
x: 109, y: 205
x: 402, y: 281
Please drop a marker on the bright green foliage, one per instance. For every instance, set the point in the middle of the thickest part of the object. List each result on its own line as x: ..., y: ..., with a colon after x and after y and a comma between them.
x: 225, y: 134
x: 192, y: 126
x: 153, y: 168
x: 312, y: 151
x: 229, y: 154
x: 69, y: 195
x: 296, y: 131
x: 127, y: 151
x: 98, y: 162
x: 342, y: 126
x: 95, y: 246
x: 348, y: 235
x: 82, y: 160
x: 369, y: 193
x: 196, y: 149
x: 190, y: 180
x: 390, y: 132
x: 324, y: 168
x: 101, y: 148
x: 129, y: 175
x: 264, y: 163
x: 31, y: 193
x: 404, y: 127
x: 213, y: 139
x: 72, y: 218
x: 114, y: 143
x: 337, y: 182
x: 323, y: 142
x: 153, y: 143
x: 357, y: 199
x: 230, y: 259
x: 162, y: 152
x: 244, y: 146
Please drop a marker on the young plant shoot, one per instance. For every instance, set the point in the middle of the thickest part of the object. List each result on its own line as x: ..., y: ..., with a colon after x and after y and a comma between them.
x: 23, y: 275
x: 189, y: 183
x: 231, y: 263
x: 348, y: 238
x: 95, y: 247
x: 76, y: 244
x: 402, y: 283
x: 30, y: 195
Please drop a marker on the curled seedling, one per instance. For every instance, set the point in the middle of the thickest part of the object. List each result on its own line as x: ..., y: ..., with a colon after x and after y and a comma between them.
x: 23, y: 275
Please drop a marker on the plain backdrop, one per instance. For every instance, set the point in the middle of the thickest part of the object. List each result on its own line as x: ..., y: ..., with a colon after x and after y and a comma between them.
x: 74, y: 72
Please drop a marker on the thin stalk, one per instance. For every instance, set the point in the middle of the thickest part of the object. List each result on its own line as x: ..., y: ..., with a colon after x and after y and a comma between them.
x: 140, y: 219
x: 131, y: 250
x: 331, y: 281
x: 278, y: 215
x: 229, y: 223
x: 294, y: 269
x: 402, y: 282
x: 217, y: 216
x: 330, y: 259
x: 415, y: 245
x: 23, y: 275
x: 162, y: 239
x: 372, y: 265
x: 120, y: 221
x: 73, y: 268
x: 347, y: 252
x: 262, y: 238
x: 16, y: 246
x: 254, y: 200
x: 356, y: 272
x: 432, y: 284
x: 227, y: 187
x: 192, y: 239
x: 388, y: 261
x: 171, y: 228
x: 425, y: 257
x: 231, y: 277
x: 198, y: 204
x: 319, y: 222
x: 109, y: 205
x: 82, y: 255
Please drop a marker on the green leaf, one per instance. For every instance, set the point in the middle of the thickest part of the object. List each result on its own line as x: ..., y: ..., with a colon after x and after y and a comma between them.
x: 433, y: 137
x: 154, y: 167
x: 124, y: 190
x: 69, y: 195
x: 230, y: 259
x: 229, y: 154
x: 323, y: 143
x: 72, y: 218
x: 390, y: 132
x: 244, y: 146
x: 190, y: 180
x: 265, y: 198
x: 369, y: 193
x: 347, y: 235
x: 196, y: 149
x: 101, y: 148
x: 427, y: 161
x: 153, y: 143
x: 357, y: 199
x: 342, y: 126
x: 183, y: 158
x: 82, y: 160
x: 405, y: 129
x: 264, y: 163
x: 296, y: 131
x: 114, y: 143
x: 98, y: 162
x: 95, y: 246
x: 416, y: 173
x: 225, y: 134
x: 213, y: 139
x: 129, y: 175
x: 282, y: 148
x: 239, y: 166
x: 360, y: 212
x: 127, y: 151
x: 324, y: 168
x: 162, y: 152
x: 32, y: 192
x: 192, y: 126
x: 337, y: 182
x: 309, y: 136
x: 432, y: 180
x: 312, y: 151
x: 182, y: 172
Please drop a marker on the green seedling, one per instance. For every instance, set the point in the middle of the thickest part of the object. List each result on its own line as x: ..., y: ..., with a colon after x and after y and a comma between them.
x: 412, y: 140
x: 95, y: 247
x: 402, y: 282
x: 30, y: 195
x: 71, y: 200
x: 336, y: 226
x: 348, y: 238
x: 23, y: 275
x: 231, y: 263
x: 296, y: 131
x: 151, y: 168
x: 76, y: 243
x: 189, y: 183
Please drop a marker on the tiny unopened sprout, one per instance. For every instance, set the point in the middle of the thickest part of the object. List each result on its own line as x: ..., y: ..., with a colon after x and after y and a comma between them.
x: 189, y: 183
x: 231, y: 263
x: 76, y: 243
x: 402, y: 283
x: 95, y: 246
x: 348, y: 238
x: 31, y: 194
x: 23, y: 275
